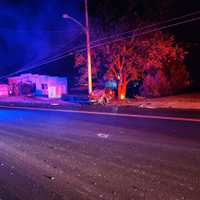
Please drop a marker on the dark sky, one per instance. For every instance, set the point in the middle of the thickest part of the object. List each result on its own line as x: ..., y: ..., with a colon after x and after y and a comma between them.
x: 31, y: 30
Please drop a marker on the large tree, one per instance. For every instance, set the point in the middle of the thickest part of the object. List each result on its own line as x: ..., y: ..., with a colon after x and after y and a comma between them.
x: 153, y: 58
x: 148, y: 58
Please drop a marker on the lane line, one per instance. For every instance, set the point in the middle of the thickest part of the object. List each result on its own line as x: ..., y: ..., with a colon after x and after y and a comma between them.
x: 108, y: 114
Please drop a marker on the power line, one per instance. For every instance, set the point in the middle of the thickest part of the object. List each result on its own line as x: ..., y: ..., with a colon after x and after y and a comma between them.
x: 32, y: 62
x: 44, y: 61
x: 147, y: 32
x: 137, y: 34
x: 77, y: 49
x: 149, y: 26
x: 142, y: 28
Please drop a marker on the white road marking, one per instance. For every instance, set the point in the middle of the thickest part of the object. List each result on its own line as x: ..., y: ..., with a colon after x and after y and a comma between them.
x: 55, y: 104
x: 103, y: 135
x: 108, y: 114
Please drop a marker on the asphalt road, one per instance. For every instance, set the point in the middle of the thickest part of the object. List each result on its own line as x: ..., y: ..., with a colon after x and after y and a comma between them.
x: 48, y: 155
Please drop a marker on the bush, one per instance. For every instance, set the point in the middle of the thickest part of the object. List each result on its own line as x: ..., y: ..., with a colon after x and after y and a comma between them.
x: 155, y: 86
x: 171, y: 81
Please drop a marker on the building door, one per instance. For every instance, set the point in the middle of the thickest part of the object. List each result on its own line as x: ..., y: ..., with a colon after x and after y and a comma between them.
x: 52, y: 92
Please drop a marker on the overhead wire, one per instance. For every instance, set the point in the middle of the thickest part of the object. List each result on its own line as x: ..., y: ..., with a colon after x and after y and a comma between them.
x: 79, y: 49
x: 150, y: 26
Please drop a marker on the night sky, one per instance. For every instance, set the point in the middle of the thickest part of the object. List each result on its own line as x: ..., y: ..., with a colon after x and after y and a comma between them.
x: 33, y: 30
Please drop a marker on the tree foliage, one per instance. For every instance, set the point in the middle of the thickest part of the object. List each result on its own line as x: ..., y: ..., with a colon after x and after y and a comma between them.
x: 168, y: 75
x: 155, y: 58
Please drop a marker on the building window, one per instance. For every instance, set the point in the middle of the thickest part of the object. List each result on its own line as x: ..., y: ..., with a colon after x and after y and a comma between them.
x: 44, y: 86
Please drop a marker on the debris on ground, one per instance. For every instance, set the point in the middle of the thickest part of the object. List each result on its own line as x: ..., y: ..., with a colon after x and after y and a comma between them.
x: 50, y: 177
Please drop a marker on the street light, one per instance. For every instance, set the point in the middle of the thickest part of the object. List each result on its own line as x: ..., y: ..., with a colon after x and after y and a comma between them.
x: 87, y: 32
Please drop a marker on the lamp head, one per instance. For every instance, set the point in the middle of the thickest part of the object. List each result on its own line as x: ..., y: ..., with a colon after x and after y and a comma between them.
x: 65, y: 16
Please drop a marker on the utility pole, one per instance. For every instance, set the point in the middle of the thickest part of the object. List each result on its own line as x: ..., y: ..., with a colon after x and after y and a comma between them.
x: 89, y: 62
x: 86, y: 30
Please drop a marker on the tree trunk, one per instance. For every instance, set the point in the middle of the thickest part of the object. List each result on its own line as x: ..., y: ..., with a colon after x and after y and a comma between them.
x: 121, y: 91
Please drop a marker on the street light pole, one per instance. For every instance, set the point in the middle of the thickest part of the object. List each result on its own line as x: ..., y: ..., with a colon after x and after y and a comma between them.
x: 89, y: 62
x: 86, y: 30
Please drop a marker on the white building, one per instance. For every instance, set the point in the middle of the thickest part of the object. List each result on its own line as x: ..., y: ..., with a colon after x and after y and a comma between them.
x: 51, y: 86
x: 3, y: 90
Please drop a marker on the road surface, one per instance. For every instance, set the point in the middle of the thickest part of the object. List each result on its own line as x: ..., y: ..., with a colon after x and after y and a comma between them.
x: 49, y: 155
